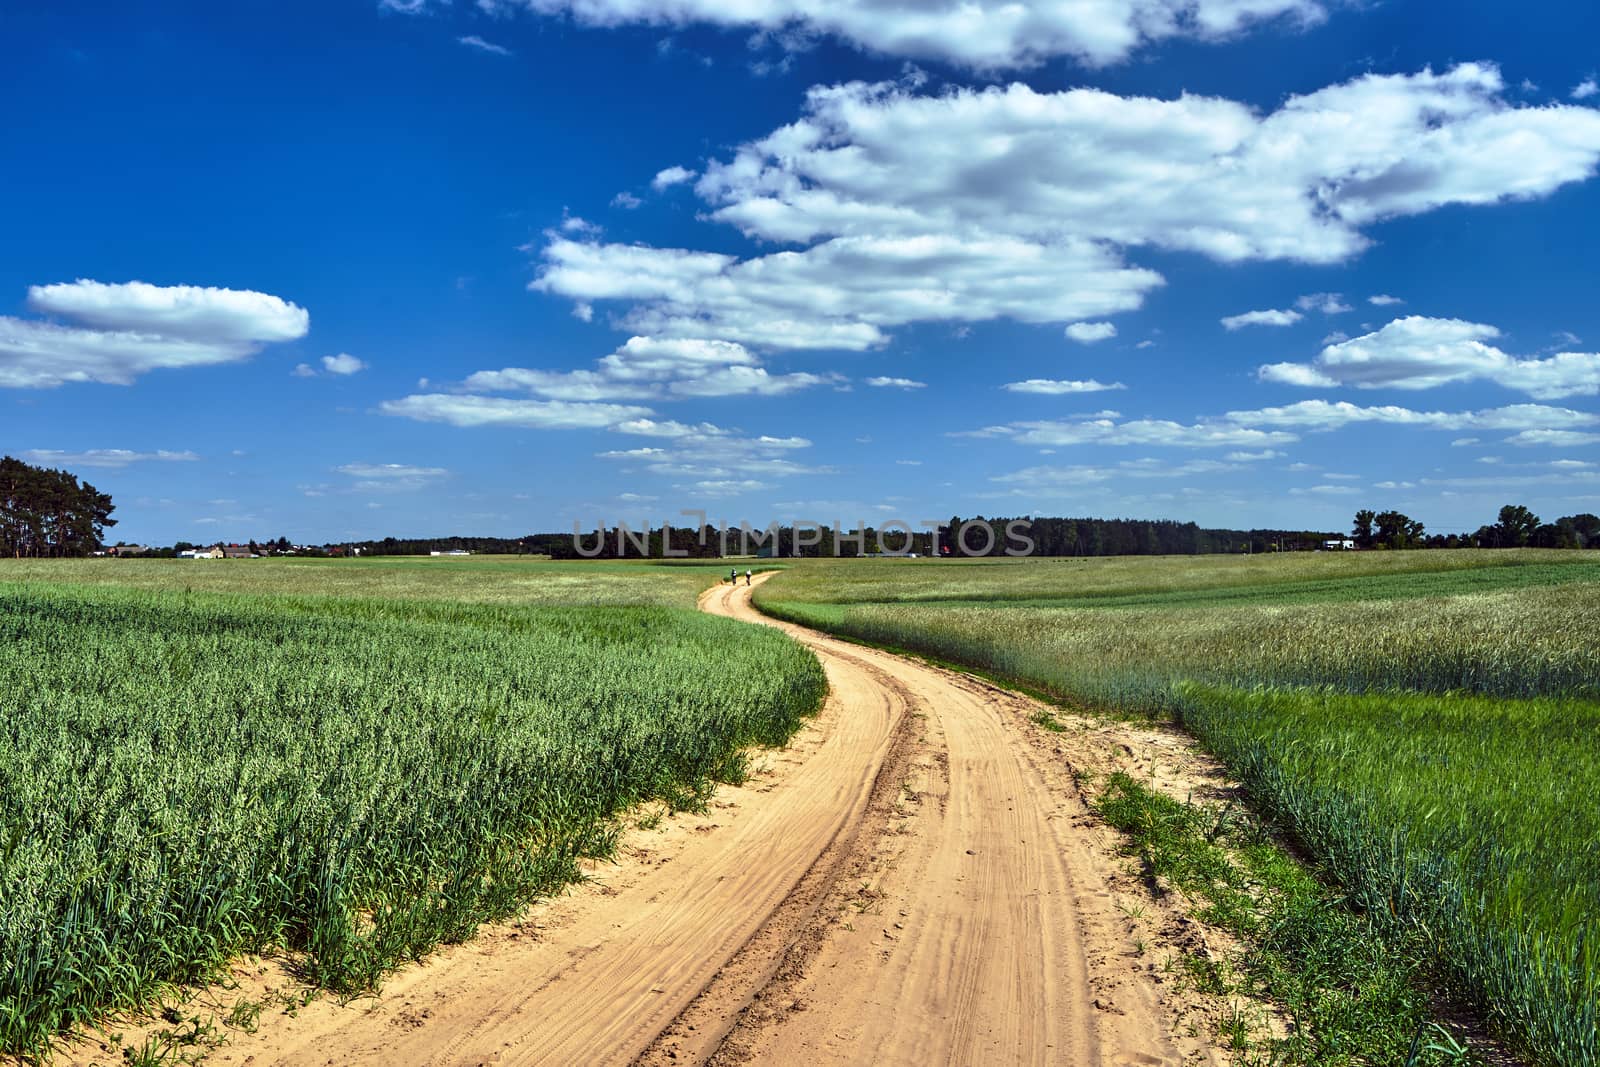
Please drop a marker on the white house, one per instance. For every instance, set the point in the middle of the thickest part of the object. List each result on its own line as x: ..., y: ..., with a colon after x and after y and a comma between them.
x: 1342, y: 544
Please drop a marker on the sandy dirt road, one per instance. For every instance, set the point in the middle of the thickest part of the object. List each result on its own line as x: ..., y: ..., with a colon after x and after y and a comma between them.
x: 985, y: 908
x: 914, y: 881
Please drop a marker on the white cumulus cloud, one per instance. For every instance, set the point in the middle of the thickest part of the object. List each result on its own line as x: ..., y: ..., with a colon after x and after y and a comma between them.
x: 1255, y: 434
x: 475, y: 411
x: 1553, y: 438
x: 846, y: 292
x: 1059, y: 387
x: 122, y: 331
x: 343, y: 364
x: 1111, y: 431
x: 1417, y: 352
x: 114, y: 458
x: 1321, y: 415
x: 716, y: 462
x: 642, y: 369
x: 1087, y: 333
x: 1327, y: 303
x: 390, y: 477
x: 1269, y: 317
x: 675, y: 175
x: 187, y: 311
x: 899, y: 205
x: 653, y: 368
x: 983, y: 34
x: 1198, y: 173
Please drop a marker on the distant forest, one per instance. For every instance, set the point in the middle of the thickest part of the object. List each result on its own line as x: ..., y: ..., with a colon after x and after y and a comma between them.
x: 1516, y: 527
x: 47, y: 512
x: 1051, y: 537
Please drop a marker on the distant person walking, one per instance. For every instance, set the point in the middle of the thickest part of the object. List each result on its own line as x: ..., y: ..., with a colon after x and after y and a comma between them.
x: 733, y: 575
x: 746, y: 577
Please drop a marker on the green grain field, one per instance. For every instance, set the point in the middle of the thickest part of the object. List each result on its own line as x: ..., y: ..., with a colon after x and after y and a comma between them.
x: 350, y: 761
x: 1426, y: 724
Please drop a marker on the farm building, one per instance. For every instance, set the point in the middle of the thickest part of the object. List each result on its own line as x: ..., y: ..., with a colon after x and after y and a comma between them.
x: 1341, y: 544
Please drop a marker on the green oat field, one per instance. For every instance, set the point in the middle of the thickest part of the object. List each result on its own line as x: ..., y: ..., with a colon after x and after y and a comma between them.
x: 351, y: 761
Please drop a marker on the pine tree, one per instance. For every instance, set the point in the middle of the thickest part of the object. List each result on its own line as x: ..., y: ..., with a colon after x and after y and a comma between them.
x: 47, y: 512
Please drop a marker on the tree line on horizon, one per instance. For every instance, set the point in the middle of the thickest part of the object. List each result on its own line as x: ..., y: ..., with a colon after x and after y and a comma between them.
x: 46, y: 512
x: 1516, y: 527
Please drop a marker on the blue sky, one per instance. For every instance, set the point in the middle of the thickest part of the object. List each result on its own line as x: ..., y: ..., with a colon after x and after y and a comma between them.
x: 350, y: 269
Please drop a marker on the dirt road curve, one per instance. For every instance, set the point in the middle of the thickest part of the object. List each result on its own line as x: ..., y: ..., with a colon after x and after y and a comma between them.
x: 912, y: 883
x: 976, y: 951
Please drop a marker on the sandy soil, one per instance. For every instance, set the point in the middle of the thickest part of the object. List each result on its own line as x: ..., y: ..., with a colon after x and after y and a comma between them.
x: 916, y: 880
